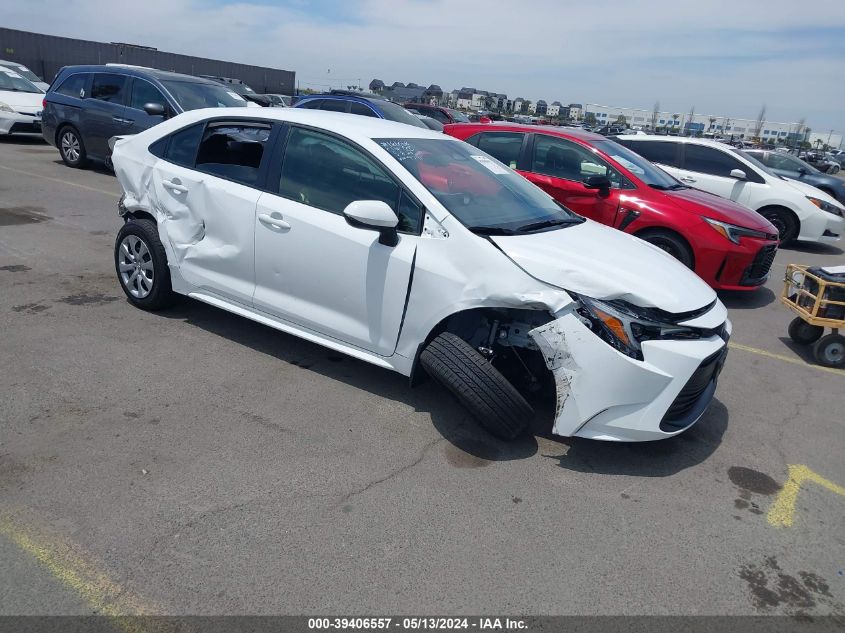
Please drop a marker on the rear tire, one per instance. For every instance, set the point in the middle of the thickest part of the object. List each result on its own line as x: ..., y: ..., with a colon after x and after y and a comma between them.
x: 670, y: 242
x: 488, y: 396
x: 72, y: 148
x: 804, y: 333
x: 830, y: 350
x: 785, y: 222
x: 141, y: 265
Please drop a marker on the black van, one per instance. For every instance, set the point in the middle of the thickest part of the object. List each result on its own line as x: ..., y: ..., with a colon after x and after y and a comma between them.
x: 87, y: 105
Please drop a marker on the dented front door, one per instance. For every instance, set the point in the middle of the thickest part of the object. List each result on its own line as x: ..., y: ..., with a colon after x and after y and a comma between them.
x: 209, y: 223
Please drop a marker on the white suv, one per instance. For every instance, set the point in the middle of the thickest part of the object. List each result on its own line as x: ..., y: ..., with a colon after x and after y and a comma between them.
x: 798, y: 210
x: 412, y: 250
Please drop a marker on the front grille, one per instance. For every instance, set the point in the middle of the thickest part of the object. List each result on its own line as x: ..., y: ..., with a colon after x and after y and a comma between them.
x: 695, y: 396
x: 31, y: 128
x: 757, y: 273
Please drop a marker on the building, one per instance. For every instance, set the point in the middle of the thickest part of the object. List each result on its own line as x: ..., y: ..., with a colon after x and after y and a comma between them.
x: 541, y: 108
x: 554, y: 109
x: 47, y: 54
x: 576, y: 112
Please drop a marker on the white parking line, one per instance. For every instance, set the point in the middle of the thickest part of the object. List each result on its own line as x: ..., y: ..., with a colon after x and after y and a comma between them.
x: 59, y: 180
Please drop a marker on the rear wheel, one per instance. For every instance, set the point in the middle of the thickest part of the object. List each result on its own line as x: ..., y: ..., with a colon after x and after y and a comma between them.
x: 670, y: 242
x: 72, y: 148
x: 830, y: 350
x: 486, y: 393
x: 785, y: 222
x: 141, y: 265
x: 804, y: 333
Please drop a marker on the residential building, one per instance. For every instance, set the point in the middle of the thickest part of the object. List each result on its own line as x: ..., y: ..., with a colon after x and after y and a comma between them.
x: 554, y: 109
x: 576, y: 112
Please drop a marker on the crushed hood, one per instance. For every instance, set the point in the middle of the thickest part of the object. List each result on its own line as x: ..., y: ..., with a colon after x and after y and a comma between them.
x: 604, y: 263
x: 22, y: 101
x: 717, y: 208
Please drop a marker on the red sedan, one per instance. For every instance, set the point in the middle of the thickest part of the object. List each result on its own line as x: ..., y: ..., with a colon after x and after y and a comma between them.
x: 730, y: 246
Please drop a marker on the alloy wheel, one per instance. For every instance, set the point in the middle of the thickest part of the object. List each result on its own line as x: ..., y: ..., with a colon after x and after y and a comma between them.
x: 135, y: 264
x: 70, y: 146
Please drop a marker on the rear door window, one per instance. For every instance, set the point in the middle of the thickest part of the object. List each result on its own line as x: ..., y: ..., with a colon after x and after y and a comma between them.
x: 334, y: 105
x: 109, y: 87
x: 182, y: 147
x: 233, y: 151
x: 663, y: 152
x: 503, y: 146
x: 74, y: 86
x: 312, y: 104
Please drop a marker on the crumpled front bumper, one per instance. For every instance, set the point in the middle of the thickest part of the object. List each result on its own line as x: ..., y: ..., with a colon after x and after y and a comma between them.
x: 605, y: 395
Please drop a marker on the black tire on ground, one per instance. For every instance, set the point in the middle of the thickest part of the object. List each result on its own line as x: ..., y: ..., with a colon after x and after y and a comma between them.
x: 785, y: 222
x: 670, y: 242
x: 804, y: 333
x: 494, y: 401
x: 144, y: 248
x: 72, y: 147
x: 830, y: 350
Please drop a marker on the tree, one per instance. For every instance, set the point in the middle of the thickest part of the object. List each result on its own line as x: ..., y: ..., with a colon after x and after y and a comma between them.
x: 712, y: 120
x: 690, y: 117
x: 654, y: 114
x: 675, y: 118
x: 761, y: 118
x: 621, y: 119
x: 590, y: 118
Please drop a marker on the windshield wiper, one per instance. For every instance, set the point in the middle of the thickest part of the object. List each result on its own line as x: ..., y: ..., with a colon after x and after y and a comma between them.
x: 491, y: 230
x: 677, y: 186
x: 547, y: 223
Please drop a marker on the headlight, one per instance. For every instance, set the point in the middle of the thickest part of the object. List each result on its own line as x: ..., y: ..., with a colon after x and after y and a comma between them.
x: 826, y: 206
x: 5, y: 107
x: 733, y: 232
x: 625, y: 326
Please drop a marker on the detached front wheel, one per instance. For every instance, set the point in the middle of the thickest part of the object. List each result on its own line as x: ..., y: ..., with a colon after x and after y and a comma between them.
x: 830, y: 350
x: 486, y: 393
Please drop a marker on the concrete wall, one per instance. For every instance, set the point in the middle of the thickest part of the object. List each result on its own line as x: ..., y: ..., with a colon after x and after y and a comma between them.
x: 46, y: 54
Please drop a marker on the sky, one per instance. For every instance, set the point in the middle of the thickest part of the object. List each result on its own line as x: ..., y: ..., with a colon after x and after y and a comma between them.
x: 721, y: 57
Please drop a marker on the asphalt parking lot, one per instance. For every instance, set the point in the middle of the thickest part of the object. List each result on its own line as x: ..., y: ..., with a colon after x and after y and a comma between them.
x: 191, y: 461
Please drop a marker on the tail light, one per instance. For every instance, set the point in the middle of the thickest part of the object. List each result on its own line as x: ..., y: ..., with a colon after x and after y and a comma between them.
x: 44, y: 103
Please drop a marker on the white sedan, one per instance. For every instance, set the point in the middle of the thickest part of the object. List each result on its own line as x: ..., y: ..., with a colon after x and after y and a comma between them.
x: 419, y: 253
x: 20, y: 104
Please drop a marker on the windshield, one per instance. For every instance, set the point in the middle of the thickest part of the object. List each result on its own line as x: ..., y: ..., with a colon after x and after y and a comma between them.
x: 478, y: 190
x: 193, y: 95
x: 393, y: 112
x: 23, y: 71
x: 791, y: 162
x: 12, y: 81
x: 649, y: 173
x: 457, y: 116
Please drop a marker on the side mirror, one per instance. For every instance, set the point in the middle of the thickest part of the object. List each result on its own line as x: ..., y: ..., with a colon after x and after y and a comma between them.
x: 600, y: 182
x: 374, y: 214
x: 738, y: 174
x: 802, y: 171
x: 154, y: 109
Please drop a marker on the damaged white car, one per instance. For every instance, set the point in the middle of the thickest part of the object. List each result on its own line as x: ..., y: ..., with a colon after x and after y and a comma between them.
x: 419, y: 253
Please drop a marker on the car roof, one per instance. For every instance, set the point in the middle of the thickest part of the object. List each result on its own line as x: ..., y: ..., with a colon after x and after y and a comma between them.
x: 352, y: 126
x: 139, y: 71
x: 676, y: 139
x: 553, y: 130
x: 343, y: 96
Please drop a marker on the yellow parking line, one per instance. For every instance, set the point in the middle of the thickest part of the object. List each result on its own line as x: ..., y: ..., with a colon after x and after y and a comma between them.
x: 103, y: 595
x: 59, y: 180
x: 782, y: 513
x: 786, y: 359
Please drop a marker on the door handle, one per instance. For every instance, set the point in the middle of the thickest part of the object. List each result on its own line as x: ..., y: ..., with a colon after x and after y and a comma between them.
x: 276, y: 222
x: 686, y: 179
x: 175, y: 186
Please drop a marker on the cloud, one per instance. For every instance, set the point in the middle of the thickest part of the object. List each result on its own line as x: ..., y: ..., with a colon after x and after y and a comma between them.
x: 719, y: 56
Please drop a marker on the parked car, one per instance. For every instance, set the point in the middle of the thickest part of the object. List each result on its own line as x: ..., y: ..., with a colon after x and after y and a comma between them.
x: 411, y: 250
x: 798, y: 210
x: 430, y: 123
x: 613, y: 130
x: 359, y: 103
x: 439, y: 113
x: 727, y: 245
x: 239, y: 87
x: 278, y: 101
x: 20, y: 103
x: 793, y: 167
x: 26, y: 73
x: 87, y: 105
x: 821, y: 161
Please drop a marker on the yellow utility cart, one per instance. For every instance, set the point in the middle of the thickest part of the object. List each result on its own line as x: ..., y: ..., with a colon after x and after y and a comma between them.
x: 817, y: 296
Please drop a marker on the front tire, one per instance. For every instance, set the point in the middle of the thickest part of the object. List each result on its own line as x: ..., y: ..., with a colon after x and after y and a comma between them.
x: 785, y: 222
x: 804, y: 333
x: 141, y: 265
x: 72, y: 148
x: 830, y: 350
x: 672, y: 243
x: 486, y: 393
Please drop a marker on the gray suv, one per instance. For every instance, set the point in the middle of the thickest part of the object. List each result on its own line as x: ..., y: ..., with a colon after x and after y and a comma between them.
x: 87, y: 105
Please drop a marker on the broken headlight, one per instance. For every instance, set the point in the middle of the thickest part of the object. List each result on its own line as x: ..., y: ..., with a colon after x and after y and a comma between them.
x: 625, y: 326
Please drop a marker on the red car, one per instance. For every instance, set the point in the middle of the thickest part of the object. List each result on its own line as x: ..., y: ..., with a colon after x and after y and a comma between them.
x: 730, y: 246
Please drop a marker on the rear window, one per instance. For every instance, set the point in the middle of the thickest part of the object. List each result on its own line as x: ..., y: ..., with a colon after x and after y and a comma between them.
x: 74, y: 85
